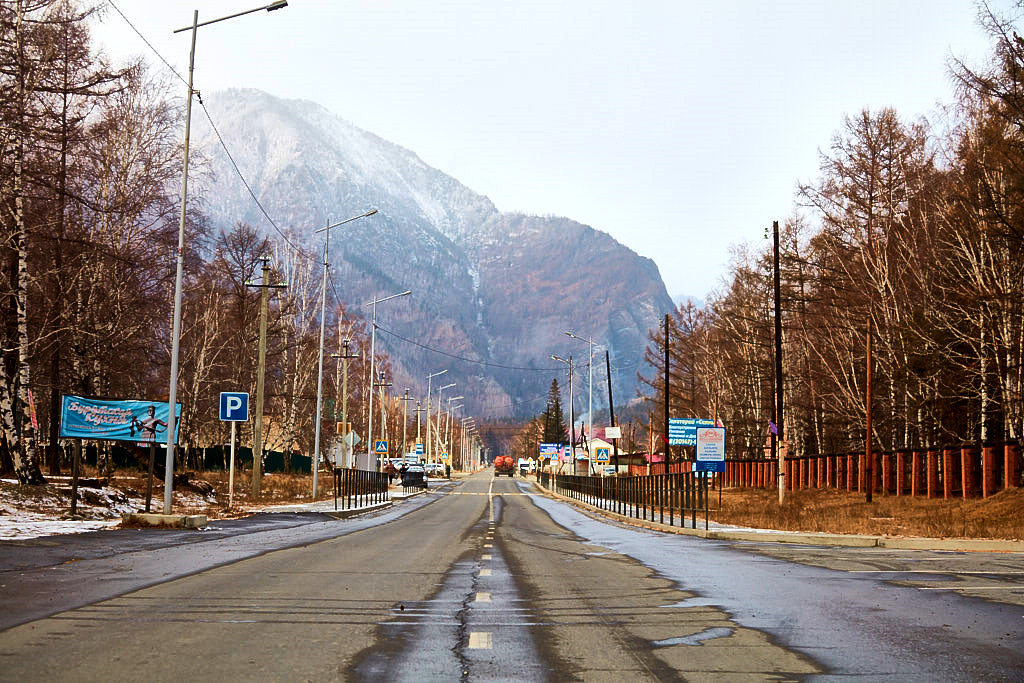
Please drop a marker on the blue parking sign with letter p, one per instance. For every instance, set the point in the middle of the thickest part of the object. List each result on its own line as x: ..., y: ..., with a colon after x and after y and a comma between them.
x: 234, y: 406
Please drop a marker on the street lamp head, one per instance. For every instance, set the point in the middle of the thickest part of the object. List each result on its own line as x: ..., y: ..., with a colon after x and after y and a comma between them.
x: 278, y: 4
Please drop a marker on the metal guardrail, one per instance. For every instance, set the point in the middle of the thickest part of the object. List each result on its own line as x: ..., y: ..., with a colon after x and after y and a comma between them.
x: 647, y: 497
x: 358, y: 488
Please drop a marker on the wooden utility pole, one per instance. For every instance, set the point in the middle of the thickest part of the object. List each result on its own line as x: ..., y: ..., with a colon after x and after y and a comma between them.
x: 869, y: 483
x: 778, y: 371
x: 345, y: 356
x: 405, y: 420
x: 611, y: 407
x: 257, y: 436
x: 665, y: 431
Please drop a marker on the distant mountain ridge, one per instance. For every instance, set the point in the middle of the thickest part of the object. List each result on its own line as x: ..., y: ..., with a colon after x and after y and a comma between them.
x: 498, y: 288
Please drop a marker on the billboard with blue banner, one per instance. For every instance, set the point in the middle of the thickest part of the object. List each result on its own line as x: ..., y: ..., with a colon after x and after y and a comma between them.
x: 138, y: 421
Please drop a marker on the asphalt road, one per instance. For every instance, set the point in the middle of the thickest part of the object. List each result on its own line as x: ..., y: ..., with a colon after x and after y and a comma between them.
x: 489, y: 580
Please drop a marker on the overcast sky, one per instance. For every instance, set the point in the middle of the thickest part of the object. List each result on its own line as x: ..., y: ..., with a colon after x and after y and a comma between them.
x: 678, y: 127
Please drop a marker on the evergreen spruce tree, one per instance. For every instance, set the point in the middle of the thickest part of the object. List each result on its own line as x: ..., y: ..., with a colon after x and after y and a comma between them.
x: 554, y: 422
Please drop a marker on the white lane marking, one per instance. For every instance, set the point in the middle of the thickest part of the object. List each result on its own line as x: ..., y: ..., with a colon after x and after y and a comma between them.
x: 487, y: 557
x: 968, y: 588
x: 483, y: 597
x: 480, y: 640
x: 933, y: 571
x: 488, y: 545
x: 485, y: 572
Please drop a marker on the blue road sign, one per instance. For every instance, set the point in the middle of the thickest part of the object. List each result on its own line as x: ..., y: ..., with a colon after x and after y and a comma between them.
x: 419, y: 449
x: 601, y: 455
x: 234, y: 406
x: 683, y: 431
x: 380, y: 446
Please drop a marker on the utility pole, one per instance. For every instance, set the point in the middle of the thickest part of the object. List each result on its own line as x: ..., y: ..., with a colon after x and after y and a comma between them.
x: 667, y: 360
x: 779, y: 441
x: 611, y: 407
x: 382, y: 385
x: 257, y: 437
x: 345, y: 356
x: 868, y: 455
x: 418, y: 411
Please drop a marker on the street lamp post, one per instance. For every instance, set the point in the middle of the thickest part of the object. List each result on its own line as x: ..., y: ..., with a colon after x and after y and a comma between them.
x: 373, y: 342
x: 172, y: 394
x: 448, y: 418
x: 429, y: 378
x: 590, y: 394
x: 572, y: 418
x: 448, y: 425
x: 437, y: 417
x: 320, y: 372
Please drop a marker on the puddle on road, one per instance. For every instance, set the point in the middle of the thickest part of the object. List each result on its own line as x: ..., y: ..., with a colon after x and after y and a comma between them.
x: 696, y: 638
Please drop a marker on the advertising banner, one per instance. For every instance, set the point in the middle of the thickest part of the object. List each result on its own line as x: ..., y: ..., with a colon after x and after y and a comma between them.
x: 136, y: 421
x: 711, y: 449
x: 683, y: 431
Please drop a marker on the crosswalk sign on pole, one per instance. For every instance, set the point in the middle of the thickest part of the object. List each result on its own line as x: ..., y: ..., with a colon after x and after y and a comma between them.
x: 380, y: 446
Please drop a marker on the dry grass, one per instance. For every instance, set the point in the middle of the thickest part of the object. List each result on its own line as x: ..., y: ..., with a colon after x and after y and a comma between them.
x: 997, y: 517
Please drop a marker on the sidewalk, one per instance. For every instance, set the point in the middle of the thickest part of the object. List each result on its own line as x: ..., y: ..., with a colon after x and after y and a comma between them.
x: 725, y: 532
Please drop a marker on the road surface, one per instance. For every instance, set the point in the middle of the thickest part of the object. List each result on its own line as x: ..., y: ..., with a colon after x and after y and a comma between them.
x: 489, y: 580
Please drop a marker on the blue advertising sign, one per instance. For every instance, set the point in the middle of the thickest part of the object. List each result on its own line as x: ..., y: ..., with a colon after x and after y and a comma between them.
x: 138, y: 421
x: 234, y: 406
x: 683, y: 431
x: 709, y: 466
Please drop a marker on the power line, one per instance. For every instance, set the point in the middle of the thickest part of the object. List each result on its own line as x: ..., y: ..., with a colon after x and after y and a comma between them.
x: 463, y: 358
x: 148, y: 44
x: 215, y: 130
x: 246, y: 183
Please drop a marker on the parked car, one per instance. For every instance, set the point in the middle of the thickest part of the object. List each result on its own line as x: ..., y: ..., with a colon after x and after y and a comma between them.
x: 434, y: 469
x: 414, y: 475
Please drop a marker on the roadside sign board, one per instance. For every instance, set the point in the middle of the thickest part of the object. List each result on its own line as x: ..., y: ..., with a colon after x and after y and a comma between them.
x: 444, y: 457
x: 683, y: 431
x: 380, y: 446
x: 116, y: 420
x: 601, y: 455
x: 234, y: 406
x: 711, y: 449
x: 613, y: 432
x: 419, y: 449
x: 550, y: 450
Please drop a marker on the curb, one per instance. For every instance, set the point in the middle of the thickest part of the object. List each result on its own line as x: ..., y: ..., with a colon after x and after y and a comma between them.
x: 156, y: 521
x: 808, y: 538
x: 355, y: 512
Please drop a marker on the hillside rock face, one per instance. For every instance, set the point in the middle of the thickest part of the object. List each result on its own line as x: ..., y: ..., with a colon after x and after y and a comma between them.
x: 498, y: 290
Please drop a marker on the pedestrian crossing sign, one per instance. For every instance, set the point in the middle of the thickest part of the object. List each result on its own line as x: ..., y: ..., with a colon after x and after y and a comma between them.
x: 601, y: 455
x: 380, y: 446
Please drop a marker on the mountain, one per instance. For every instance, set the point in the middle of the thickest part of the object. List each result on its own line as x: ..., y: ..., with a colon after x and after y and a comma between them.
x: 497, y: 289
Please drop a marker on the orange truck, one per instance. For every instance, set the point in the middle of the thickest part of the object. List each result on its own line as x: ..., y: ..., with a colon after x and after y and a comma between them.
x: 504, y: 464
